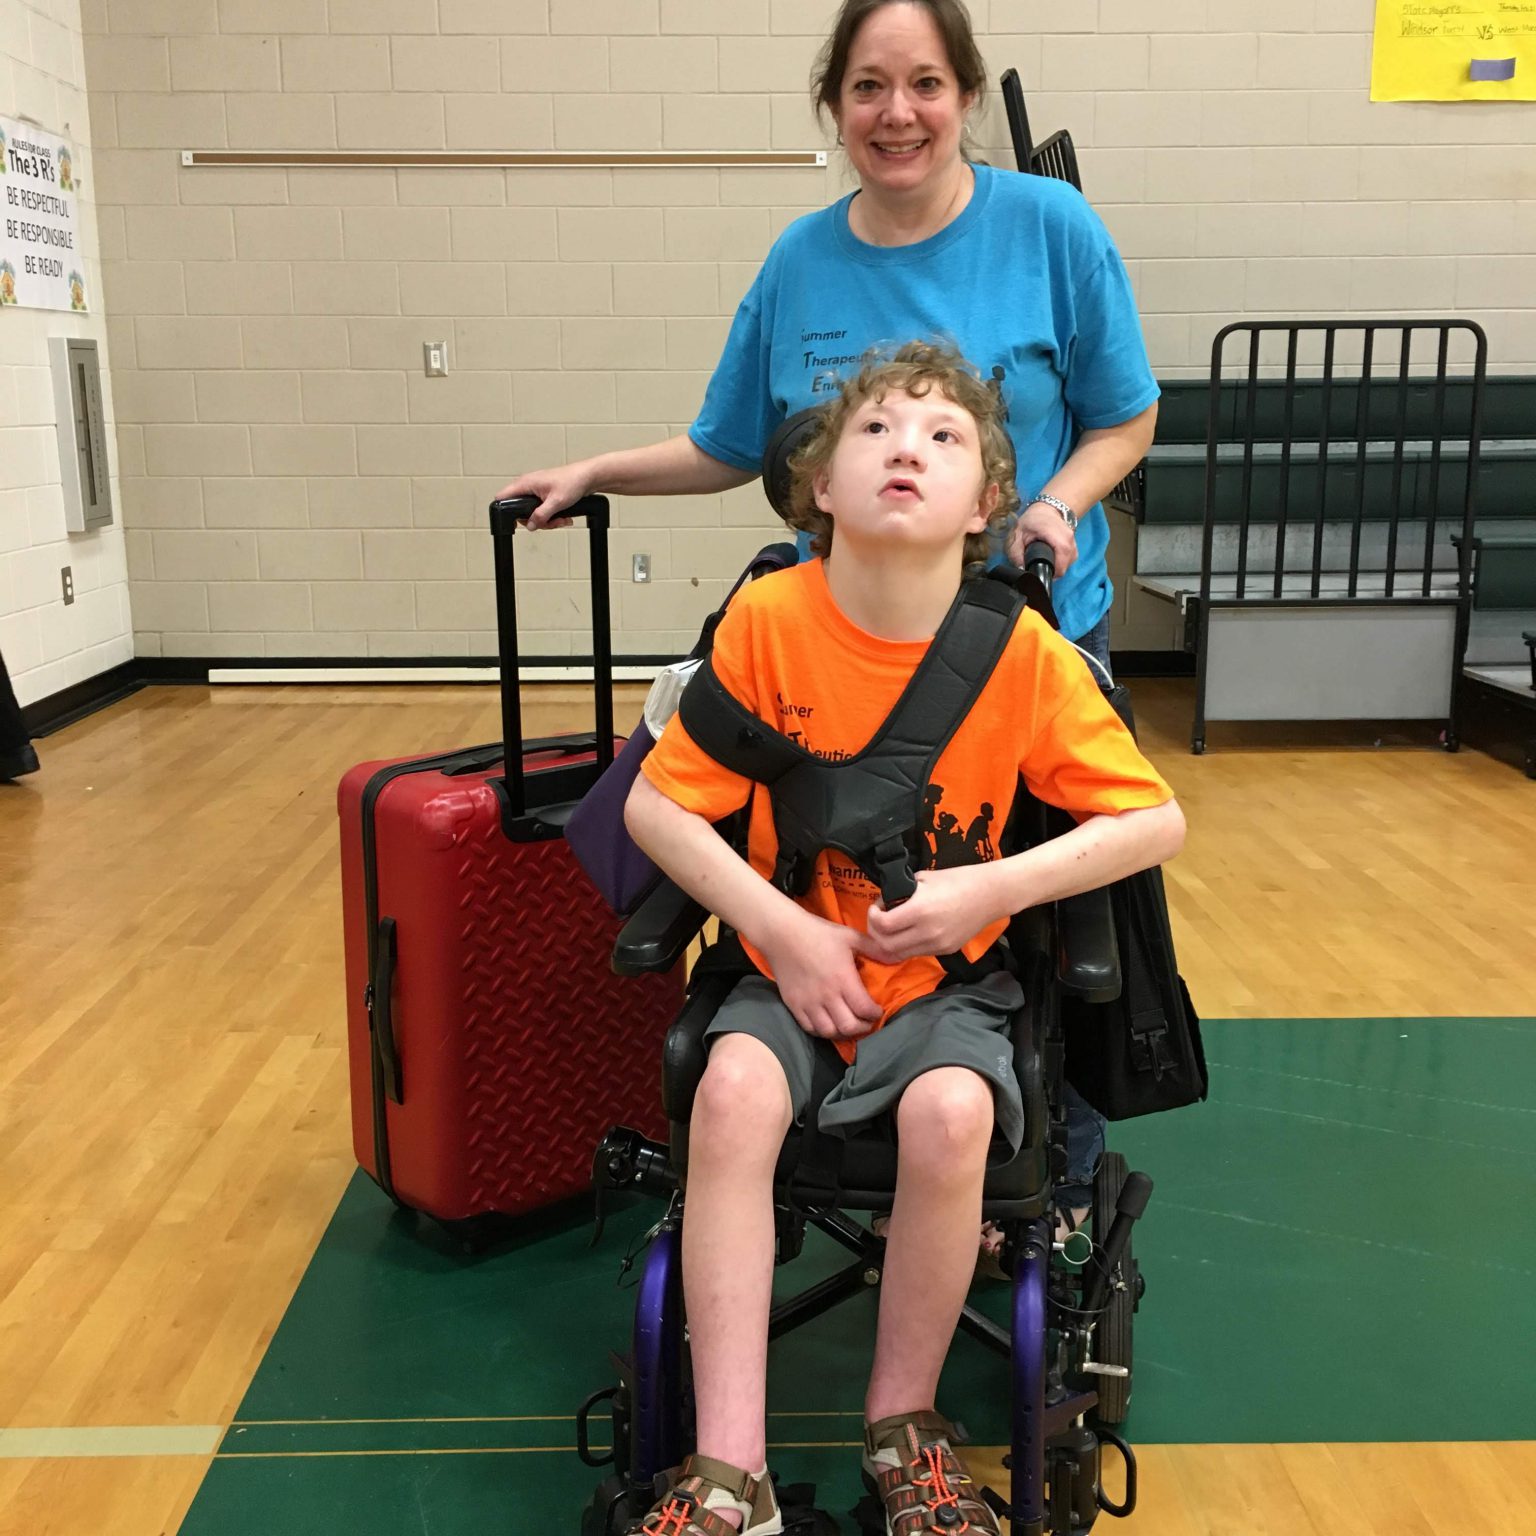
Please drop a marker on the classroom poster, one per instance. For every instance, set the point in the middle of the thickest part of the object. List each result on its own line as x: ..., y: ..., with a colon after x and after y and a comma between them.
x: 40, y: 263
x: 1454, y: 50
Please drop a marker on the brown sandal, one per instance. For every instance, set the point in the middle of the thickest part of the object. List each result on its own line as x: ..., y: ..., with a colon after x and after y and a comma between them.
x: 680, y: 1511
x: 930, y: 1490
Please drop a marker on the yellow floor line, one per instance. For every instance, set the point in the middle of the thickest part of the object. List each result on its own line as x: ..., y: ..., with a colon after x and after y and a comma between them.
x: 521, y: 1418
x: 110, y: 1440
x: 515, y: 1418
x: 460, y: 1450
x: 495, y: 1450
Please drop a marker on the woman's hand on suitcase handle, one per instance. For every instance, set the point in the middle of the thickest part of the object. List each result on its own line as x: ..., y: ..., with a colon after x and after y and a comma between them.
x: 556, y: 488
x: 949, y: 907
x: 813, y: 963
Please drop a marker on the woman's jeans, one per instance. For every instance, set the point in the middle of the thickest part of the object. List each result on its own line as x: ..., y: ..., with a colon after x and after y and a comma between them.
x: 1085, y: 1125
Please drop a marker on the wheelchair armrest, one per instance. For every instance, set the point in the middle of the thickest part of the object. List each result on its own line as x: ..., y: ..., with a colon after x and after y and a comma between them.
x: 683, y: 1055
x: 659, y: 932
x: 1088, y: 961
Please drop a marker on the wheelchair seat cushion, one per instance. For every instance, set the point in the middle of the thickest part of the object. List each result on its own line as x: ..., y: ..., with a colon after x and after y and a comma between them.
x: 965, y: 1025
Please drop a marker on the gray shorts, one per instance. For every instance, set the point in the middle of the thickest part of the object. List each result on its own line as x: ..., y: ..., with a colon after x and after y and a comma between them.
x: 965, y: 1025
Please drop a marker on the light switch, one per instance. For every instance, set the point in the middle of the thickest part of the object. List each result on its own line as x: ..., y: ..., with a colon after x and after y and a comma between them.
x: 437, y: 358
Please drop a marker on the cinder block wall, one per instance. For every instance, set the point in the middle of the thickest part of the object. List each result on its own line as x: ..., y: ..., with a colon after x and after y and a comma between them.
x: 48, y: 646
x: 293, y: 484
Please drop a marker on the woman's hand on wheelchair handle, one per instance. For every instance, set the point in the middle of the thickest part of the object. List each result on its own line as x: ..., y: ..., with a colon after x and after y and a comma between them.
x: 556, y: 488
x: 1045, y: 523
x: 813, y: 964
x: 949, y: 907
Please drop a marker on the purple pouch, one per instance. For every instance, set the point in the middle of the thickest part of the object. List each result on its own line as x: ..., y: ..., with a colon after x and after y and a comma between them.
x: 596, y: 831
x: 597, y: 835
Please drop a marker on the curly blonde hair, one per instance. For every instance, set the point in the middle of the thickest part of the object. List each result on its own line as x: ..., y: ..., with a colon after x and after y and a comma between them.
x: 914, y: 368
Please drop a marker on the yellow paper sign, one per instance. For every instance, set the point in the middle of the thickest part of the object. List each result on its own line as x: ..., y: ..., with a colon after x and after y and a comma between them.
x: 1454, y: 50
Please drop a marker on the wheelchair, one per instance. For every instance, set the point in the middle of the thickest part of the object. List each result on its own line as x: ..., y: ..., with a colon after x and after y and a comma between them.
x: 1069, y: 1342
x: 1069, y: 1339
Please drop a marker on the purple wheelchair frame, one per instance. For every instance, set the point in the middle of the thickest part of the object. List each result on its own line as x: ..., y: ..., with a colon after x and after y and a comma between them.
x: 658, y: 1439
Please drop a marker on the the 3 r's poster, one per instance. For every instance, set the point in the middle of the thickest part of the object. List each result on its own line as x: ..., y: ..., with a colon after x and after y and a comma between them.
x: 40, y: 262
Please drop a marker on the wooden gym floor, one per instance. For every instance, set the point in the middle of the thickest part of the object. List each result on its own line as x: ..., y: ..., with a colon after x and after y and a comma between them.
x: 173, y: 1120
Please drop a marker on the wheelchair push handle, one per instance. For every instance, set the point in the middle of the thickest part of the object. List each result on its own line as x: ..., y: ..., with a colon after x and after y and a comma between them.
x: 1040, y: 561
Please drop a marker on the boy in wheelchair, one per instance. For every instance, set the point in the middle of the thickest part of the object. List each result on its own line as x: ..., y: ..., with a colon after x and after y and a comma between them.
x: 905, y: 1002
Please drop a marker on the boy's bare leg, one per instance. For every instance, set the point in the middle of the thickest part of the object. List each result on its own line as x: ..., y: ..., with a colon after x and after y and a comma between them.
x: 943, y: 1126
x: 741, y: 1114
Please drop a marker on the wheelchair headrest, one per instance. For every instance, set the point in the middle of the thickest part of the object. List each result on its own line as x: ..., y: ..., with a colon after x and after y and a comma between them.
x: 787, y: 438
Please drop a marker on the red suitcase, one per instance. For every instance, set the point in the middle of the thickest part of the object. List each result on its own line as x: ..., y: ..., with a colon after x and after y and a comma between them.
x: 490, y: 1045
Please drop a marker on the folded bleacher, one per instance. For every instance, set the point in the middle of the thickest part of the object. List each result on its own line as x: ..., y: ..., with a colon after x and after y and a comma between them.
x: 1345, y: 513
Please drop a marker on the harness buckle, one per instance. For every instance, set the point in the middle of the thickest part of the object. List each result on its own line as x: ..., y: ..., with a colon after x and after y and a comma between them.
x: 893, y: 872
x: 792, y: 872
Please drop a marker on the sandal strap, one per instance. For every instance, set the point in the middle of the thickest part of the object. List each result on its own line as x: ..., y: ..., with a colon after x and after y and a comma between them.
x: 720, y: 1474
x: 885, y: 1433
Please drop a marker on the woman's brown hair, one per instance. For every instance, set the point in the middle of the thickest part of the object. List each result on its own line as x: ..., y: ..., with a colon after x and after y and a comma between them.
x: 915, y: 369
x: 949, y: 16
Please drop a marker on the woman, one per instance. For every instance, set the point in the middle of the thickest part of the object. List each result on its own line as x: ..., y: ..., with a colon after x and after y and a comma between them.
x: 1018, y: 270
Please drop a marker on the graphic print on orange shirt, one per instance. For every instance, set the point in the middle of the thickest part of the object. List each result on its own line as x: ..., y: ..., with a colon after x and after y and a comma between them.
x: 948, y: 839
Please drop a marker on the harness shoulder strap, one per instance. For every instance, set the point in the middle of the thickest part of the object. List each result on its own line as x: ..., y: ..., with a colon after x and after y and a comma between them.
x: 935, y: 703
x: 955, y: 668
x: 721, y: 726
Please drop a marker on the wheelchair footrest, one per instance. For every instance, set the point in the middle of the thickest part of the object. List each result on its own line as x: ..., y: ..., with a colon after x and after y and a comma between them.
x: 869, y: 1516
x: 797, y: 1506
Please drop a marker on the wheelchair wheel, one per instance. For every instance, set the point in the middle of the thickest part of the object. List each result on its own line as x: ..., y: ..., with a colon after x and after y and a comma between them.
x: 1112, y: 1338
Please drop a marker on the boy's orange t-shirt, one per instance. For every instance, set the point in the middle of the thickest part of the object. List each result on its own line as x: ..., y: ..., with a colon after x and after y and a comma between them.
x: 790, y: 655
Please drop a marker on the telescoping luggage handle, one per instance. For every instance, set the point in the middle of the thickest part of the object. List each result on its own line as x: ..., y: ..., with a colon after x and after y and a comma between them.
x: 505, y: 516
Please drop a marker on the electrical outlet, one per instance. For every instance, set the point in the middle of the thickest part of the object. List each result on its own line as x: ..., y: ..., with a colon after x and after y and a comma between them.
x: 641, y: 568
x: 67, y: 581
x: 436, y: 354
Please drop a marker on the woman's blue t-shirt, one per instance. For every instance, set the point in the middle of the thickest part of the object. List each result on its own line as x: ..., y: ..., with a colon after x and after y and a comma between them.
x: 1026, y: 279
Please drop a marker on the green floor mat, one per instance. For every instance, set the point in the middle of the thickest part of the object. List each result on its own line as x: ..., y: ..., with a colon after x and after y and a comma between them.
x: 1338, y: 1249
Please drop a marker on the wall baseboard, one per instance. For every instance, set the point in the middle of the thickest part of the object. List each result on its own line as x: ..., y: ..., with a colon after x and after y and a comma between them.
x: 45, y: 716
x: 339, y: 672
x: 74, y: 703
x: 53, y: 713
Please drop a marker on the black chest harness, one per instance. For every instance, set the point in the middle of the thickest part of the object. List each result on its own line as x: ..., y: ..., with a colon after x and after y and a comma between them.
x: 870, y: 806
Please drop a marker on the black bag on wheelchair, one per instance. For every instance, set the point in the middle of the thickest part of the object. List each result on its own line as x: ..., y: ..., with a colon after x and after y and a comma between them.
x: 1140, y: 1054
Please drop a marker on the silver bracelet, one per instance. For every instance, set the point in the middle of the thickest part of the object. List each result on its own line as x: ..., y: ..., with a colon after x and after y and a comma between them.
x: 1068, y: 516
